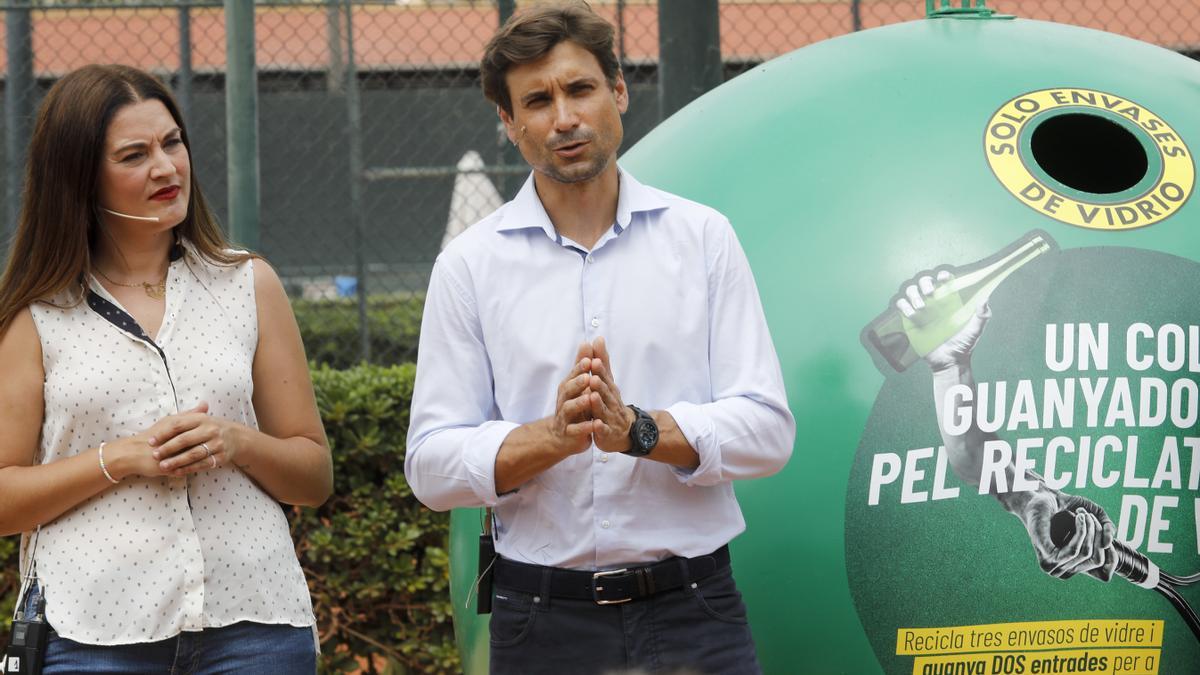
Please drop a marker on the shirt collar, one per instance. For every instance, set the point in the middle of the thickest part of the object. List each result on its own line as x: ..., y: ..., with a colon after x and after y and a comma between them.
x: 525, y: 211
x: 181, y: 246
x: 635, y: 198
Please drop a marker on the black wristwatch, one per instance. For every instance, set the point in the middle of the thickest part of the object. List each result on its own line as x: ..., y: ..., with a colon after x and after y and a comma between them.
x: 643, y: 433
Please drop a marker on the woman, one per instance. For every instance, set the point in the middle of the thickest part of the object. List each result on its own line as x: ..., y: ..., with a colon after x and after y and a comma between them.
x: 156, y: 404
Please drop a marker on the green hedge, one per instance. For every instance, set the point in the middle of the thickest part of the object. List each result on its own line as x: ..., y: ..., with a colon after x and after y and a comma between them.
x: 376, y: 560
x: 330, y: 329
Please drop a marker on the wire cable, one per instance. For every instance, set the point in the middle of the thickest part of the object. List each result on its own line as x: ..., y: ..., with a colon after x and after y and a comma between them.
x: 1185, y: 610
x: 1135, y: 567
x: 1182, y: 581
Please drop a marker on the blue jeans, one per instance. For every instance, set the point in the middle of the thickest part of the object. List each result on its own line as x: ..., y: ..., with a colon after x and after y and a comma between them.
x: 702, y: 629
x: 245, y: 647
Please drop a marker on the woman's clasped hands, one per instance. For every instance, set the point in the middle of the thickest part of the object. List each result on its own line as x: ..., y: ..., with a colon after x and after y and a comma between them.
x: 176, y: 445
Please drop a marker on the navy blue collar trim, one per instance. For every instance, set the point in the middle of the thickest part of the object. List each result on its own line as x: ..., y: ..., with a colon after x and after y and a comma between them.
x: 116, y: 316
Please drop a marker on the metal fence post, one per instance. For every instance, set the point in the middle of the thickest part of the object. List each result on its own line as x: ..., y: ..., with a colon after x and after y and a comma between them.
x: 621, y: 32
x: 336, y: 71
x: 689, y: 52
x: 241, y: 122
x: 507, y: 154
x: 183, y: 87
x: 506, y: 9
x: 357, y: 180
x: 18, y: 103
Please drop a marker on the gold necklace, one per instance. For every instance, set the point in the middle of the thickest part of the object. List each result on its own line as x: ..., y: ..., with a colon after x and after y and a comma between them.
x: 157, y: 291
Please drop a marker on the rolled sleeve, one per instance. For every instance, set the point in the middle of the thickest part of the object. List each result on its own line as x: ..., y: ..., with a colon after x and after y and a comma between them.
x: 479, y: 457
x: 454, y: 432
x: 698, y: 429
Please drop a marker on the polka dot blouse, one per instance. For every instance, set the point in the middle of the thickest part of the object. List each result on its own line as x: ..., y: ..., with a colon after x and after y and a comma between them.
x: 151, y: 557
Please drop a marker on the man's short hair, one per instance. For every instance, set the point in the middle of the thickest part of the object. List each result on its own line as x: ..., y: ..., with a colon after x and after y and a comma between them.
x: 530, y: 34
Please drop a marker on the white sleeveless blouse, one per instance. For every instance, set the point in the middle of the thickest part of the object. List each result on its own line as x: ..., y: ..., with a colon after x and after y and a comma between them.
x: 151, y: 557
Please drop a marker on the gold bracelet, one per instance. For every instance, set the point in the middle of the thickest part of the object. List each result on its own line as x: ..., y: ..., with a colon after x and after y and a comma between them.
x: 104, y: 468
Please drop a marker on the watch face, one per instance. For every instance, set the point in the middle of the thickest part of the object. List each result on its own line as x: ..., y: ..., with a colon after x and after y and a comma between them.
x: 647, y: 433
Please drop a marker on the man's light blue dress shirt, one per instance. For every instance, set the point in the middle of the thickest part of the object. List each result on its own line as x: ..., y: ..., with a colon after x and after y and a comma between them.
x: 669, y: 289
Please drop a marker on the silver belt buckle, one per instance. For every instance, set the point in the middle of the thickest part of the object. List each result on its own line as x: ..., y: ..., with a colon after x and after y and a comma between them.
x: 596, y: 576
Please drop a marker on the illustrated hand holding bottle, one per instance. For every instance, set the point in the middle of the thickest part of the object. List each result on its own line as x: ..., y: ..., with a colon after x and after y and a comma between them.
x: 941, y: 317
x: 933, y: 295
x: 949, y: 305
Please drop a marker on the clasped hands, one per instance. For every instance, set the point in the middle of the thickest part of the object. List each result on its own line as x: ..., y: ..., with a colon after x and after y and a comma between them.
x: 589, y: 406
x: 176, y: 445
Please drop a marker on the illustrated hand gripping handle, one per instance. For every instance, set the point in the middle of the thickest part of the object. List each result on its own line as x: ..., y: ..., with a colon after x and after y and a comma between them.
x: 1136, y: 568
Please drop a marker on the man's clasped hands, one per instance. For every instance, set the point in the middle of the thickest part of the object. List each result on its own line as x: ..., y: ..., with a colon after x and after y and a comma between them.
x: 589, y: 406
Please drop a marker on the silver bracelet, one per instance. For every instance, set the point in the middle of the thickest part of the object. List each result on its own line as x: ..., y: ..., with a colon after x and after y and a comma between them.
x: 104, y: 468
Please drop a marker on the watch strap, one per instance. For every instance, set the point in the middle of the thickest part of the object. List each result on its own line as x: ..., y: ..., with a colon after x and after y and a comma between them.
x: 636, y: 447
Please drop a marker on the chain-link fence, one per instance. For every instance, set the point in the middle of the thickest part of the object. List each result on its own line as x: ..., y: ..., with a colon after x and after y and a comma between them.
x: 374, y: 142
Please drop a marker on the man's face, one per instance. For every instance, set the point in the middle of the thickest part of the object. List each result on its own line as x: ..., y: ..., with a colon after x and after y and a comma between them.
x: 566, y: 120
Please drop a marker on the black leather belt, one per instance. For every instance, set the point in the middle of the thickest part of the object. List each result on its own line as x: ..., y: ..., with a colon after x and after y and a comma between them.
x: 610, y: 587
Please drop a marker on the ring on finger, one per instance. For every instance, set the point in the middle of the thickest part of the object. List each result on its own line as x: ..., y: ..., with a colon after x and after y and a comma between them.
x: 213, y: 459
x: 207, y: 449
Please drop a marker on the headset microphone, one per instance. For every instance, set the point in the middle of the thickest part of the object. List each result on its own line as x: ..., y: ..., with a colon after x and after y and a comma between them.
x: 522, y: 136
x: 153, y: 219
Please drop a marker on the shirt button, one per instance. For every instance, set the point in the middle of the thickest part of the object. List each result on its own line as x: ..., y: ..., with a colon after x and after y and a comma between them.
x: 595, y: 322
x: 604, y: 458
x: 604, y: 524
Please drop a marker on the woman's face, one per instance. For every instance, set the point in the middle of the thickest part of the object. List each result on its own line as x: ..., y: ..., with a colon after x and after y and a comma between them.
x: 145, y: 170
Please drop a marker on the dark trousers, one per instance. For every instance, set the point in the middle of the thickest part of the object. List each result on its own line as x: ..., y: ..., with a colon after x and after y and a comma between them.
x: 698, y: 629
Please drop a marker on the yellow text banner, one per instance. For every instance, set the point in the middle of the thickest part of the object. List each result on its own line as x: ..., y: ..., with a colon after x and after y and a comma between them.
x: 1029, y: 636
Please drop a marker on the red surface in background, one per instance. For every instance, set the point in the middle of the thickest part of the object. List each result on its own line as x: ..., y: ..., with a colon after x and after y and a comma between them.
x: 385, y: 37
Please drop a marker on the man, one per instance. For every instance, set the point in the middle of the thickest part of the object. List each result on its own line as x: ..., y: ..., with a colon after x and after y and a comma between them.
x: 595, y: 366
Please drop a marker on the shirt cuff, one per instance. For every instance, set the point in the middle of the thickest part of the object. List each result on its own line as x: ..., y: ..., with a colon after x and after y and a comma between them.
x: 698, y: 429
x: 479, y: 455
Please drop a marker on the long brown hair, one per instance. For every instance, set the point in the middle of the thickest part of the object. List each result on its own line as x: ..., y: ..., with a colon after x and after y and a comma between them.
x: 60, y: 211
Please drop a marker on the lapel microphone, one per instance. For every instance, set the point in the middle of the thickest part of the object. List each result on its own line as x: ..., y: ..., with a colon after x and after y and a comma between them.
x: 153, y: 219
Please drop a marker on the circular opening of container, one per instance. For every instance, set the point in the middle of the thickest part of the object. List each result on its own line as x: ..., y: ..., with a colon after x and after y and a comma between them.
x: 1089, y: 153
